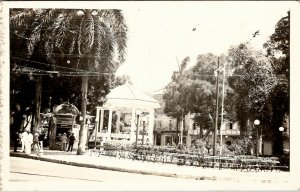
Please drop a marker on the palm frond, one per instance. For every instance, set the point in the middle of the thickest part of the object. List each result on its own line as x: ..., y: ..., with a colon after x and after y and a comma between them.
x: 115, y: 20
x: 86, y: 34
x: 104, y: 45
x: 49, y: 50
x: 21, y: 18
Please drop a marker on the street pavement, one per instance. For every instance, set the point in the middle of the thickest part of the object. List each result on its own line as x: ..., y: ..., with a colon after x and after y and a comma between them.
x: 32, y: 175
x: 158, y: 169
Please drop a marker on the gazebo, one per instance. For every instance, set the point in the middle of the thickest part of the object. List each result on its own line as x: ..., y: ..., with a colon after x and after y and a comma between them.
x: 126, y: 117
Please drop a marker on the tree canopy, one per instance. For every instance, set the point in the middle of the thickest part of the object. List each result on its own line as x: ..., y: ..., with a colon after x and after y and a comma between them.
x: 70, y: 43
x: 278, y: 50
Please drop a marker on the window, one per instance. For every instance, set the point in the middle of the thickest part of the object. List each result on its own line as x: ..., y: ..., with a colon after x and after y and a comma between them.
x: 168, y: 140
x: 230, y: 125
x: 228, y: 142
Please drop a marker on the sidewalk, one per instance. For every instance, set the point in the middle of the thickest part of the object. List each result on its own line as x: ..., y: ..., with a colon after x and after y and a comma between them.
x: 159, y: 169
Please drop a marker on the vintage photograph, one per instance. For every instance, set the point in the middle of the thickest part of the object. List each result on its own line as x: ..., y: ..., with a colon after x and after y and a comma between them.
x: 148, y: 96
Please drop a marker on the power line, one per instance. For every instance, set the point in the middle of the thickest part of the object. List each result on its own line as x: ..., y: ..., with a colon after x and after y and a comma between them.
x: 47, y: 64
x: 35, y: 71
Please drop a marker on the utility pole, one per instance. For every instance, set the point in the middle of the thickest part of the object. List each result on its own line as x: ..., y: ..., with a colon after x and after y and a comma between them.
x: 222, y: 112
x: 217, y: 107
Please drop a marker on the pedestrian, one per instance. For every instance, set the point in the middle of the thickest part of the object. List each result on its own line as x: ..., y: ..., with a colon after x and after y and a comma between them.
x: 41, y: 140
x: 24, y: 138
x: 28, y: 142
x: 64, y: 141
x: 36, y: 141
x: 16, y: 140
x: 71, y: 142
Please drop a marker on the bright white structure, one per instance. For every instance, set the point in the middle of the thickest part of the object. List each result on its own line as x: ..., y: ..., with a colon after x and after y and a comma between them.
x: 118, y: 119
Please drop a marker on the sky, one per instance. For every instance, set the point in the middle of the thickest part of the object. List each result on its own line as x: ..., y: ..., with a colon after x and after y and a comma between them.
x: 160, y: 34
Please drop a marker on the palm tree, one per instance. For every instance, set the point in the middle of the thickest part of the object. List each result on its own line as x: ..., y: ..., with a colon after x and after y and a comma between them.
x: 86, y: 40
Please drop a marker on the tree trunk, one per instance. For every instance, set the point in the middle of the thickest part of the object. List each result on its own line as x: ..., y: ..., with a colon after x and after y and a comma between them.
x: 201, y: 132
x: 38, y: 93
x: 83, y: 131
x: 210, y: 129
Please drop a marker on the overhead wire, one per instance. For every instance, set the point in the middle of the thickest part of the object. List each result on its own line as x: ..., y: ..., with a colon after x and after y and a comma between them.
x: 35, y: 71
x: 52, y: 65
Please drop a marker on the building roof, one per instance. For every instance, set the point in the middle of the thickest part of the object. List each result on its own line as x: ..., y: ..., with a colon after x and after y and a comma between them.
x: 128, y: 96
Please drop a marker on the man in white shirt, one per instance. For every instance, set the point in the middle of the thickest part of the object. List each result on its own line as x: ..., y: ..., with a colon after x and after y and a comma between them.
x: 24, y: 138
x: 28, y: 143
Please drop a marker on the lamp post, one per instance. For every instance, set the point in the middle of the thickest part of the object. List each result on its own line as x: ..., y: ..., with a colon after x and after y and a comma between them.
x: 281, y: 129
x: 97, y: 124
x: 138, y: 113
x: 170, y: 128
x: 88, y: 130
x: 256, y: 122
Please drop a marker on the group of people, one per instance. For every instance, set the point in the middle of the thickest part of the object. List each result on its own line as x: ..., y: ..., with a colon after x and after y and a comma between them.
x: 67, y: 141
x: 28, y: 141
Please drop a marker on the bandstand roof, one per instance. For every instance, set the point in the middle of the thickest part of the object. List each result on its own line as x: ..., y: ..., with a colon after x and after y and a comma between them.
x: 128, y: 96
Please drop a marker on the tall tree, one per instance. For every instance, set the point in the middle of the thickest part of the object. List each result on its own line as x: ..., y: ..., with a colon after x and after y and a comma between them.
x: 252, y: 81
x: 203, y: 90
x: 82, y: 40
x: 278, y: 50
x: 173, y: 95
x: 196, y: 92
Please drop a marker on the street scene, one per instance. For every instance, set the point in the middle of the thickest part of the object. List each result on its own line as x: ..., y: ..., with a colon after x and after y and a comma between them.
x: 156, y: 96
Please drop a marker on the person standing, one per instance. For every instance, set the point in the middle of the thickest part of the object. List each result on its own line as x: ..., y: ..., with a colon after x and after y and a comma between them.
x: 28, y: 143
x: 41, y: 140
x: 36, y: 141
x: 16, y: 140
x: 24, y: 138
x: 71, y: 142
x: 64, y: 141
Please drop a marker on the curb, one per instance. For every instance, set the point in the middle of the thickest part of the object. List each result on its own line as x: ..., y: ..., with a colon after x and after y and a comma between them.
x: 109, y: 168
x: 112, y: 168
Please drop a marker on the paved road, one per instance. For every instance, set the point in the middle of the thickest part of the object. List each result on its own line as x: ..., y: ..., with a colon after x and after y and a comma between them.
x: 28, y: 174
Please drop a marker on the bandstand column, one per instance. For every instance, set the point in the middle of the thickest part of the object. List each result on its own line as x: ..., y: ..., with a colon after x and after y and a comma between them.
x: 118, y: 121
x: 97, y: 123
x: 101, y: 119
x: 151, y: 125
x: 132, y: 128
x: 109, y: 124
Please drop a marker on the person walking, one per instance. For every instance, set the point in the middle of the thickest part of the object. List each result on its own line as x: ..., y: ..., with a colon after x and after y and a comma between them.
x: 64, y: 141
x: 71, y: 142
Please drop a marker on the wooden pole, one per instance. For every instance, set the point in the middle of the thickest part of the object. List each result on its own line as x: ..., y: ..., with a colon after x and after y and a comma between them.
x: 217, y: 111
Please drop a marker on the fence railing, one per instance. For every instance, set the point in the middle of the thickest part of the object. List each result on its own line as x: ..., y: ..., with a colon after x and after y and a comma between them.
x: 190, y: 158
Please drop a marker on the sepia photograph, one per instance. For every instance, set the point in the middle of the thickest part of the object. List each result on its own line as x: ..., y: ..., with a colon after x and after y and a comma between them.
x: 149, y: 96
